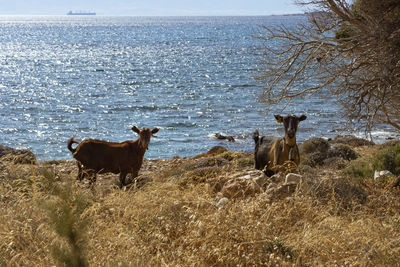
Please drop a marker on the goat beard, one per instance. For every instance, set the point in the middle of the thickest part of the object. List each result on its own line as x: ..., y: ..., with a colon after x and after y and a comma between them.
x: 144, y: 144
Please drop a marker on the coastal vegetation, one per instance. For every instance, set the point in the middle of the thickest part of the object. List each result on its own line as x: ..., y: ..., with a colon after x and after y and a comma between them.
x: 178, y: 213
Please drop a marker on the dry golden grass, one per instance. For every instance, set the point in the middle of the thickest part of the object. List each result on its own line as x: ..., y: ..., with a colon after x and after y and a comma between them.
x: 330, y: 220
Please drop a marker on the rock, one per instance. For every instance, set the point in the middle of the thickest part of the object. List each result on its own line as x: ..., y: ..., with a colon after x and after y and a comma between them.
x: 247, y: 174
x: 261, y: 180
x: 271, y: 186
x: 239, y: 188
x: 255, y: 173
x: 351, y: 140
x: 222, y: 202
x: 225, y: 137
x: 277, y: 178
x: 284, y: 190
x: 293, y: 178
x: 247, y: 177
x: 379, y: 176
x: 17, y: 156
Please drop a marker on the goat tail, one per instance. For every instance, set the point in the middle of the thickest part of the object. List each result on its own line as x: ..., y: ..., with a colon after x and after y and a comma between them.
x: 70, y: 142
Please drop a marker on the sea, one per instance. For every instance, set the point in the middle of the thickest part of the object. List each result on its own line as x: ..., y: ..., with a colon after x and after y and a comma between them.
x: 191, y: 77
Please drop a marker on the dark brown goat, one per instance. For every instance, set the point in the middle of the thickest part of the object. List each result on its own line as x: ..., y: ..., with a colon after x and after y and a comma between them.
x: 97, y: 156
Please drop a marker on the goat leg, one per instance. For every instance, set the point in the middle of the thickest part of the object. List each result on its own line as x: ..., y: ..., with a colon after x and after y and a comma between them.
x: 92, y: 176
x: 80, y: 173
x: 122, y: 177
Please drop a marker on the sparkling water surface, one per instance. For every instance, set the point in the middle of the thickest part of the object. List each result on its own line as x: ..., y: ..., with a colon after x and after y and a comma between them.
x: 95, y: 77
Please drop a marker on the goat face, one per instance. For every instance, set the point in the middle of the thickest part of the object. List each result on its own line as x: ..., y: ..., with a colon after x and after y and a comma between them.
x: 290, y: 124
x: 144, y: 135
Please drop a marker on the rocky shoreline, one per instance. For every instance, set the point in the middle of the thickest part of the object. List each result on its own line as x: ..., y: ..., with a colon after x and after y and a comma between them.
x: 214, y: 168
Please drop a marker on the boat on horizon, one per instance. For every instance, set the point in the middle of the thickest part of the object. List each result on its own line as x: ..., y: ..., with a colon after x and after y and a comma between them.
x: 81, y: 13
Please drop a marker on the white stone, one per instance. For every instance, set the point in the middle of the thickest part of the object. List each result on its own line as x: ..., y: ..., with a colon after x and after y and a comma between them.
x: 293, y: 178
x: 378, y: 175
x: 271, y: 185
x: 222, y: 202
x: 247, y: 177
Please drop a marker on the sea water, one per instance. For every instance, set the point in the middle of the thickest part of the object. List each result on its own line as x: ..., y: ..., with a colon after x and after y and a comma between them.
x: 96, y: 77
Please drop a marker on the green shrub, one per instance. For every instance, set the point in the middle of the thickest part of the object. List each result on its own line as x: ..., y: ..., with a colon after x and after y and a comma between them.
x: 388, y: 159
x: 245, y: 161
x: 360, y: 168
x: 65, y: 210
x: 230, y: 155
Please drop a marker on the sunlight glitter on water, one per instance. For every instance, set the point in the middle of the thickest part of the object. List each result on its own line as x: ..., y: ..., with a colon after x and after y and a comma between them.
x: 96, y: 77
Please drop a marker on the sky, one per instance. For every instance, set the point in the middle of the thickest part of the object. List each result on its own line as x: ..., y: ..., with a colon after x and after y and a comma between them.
x: 150, y: 7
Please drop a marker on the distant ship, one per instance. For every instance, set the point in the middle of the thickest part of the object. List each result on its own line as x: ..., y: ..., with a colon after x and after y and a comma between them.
x: 81, y: 13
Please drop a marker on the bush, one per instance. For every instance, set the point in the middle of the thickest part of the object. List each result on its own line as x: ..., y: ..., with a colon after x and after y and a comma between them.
x: 206, y: 162
x: 65, y: 212
x: 360, y: 168
x: 388, y: 159
x: 343, y: 151
x: 314, y: 145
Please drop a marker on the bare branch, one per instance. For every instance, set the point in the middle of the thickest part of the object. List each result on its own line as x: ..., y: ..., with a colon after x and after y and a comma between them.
x: 353, y: 50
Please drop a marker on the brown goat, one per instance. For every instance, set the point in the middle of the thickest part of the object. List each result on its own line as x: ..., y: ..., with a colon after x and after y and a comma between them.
x: 270, y: 154
x: 97, y: 156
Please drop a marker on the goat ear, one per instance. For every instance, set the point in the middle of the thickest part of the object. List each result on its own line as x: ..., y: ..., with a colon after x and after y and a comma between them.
x: 279, y: 119
x: 135, y: 129
x: 256, y: 136
x: 155, y: 130
x: 302, y: 117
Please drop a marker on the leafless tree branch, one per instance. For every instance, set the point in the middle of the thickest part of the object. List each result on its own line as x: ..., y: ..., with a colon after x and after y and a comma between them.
x: 352, y: 48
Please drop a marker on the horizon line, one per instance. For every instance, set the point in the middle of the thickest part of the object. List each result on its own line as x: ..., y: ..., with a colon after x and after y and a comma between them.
x: 189, y: 15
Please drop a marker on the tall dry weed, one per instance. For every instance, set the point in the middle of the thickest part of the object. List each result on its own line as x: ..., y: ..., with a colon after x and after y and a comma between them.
x: 65, y: 209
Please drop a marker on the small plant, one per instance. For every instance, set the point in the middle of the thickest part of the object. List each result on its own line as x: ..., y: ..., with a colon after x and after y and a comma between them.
x: 229, y: 155
x: 65, y: 210
x: 359, y: 168
x: 388, y: 159
x: 343, y: 151
x: 276, y: 246
x: 245, y: 161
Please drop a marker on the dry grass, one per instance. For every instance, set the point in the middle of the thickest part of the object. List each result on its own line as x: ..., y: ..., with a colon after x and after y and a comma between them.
x: 330, y: 220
